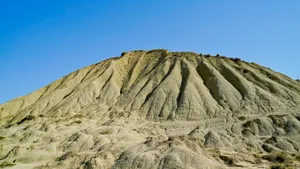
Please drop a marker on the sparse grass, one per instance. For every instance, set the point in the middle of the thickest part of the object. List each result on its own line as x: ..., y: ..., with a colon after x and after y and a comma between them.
x: 256, y: 155
x: 271, y: 141
x: 297, y: 158
x: 6, y: 164
x: 80, y: 116
x: 278, y: 120
x: 280, y: 166
x: 280, y: 160
x: 257, y: 158
x: 107, y: 132
x: 277, y: 157
x: 30, y: 147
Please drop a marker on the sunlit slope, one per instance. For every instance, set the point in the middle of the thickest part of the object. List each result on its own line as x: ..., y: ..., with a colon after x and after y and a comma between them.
x: 161, y: 85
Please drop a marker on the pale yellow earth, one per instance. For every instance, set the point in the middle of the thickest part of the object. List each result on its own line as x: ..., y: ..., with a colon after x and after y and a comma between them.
x: 156, y: 109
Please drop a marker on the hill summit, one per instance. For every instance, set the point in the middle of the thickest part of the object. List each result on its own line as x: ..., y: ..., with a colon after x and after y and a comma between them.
x: 156, y: 109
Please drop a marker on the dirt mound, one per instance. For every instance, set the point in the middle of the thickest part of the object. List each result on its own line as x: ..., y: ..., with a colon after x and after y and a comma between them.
x: 155, y: 109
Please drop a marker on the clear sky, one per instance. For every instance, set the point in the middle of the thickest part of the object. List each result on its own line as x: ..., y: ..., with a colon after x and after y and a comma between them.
x: 43, y: 40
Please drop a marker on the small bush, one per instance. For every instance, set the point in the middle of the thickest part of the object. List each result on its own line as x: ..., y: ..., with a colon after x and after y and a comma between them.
x: 78, y: 121
x: 218, y: 55
x: 267, y: 147
x: 271, y: 141
x: 245, y: 71
x: 298, y: 80
x: 2, y: 137
x: 242, y: 118
x: 27, y: 118
x: 227, y: 160
x: 269, y: 75
x: 123, y: 53
x: 65, y: 156
x: 237, y: 60
x: 247, y: 124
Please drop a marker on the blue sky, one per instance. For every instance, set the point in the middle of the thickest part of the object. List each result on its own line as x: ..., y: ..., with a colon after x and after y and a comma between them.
x: 41, y: 41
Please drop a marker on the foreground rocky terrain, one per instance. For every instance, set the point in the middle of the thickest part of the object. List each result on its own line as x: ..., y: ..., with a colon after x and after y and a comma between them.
x: 156, y: 109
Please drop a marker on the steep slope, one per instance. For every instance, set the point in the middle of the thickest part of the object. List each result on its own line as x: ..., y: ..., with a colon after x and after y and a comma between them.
x: 154, y: 109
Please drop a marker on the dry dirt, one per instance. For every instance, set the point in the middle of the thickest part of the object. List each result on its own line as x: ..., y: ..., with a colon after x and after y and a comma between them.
x: 156, y: 109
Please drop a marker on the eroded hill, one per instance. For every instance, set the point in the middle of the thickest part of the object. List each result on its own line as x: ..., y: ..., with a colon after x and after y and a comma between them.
x: 156, y: 109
